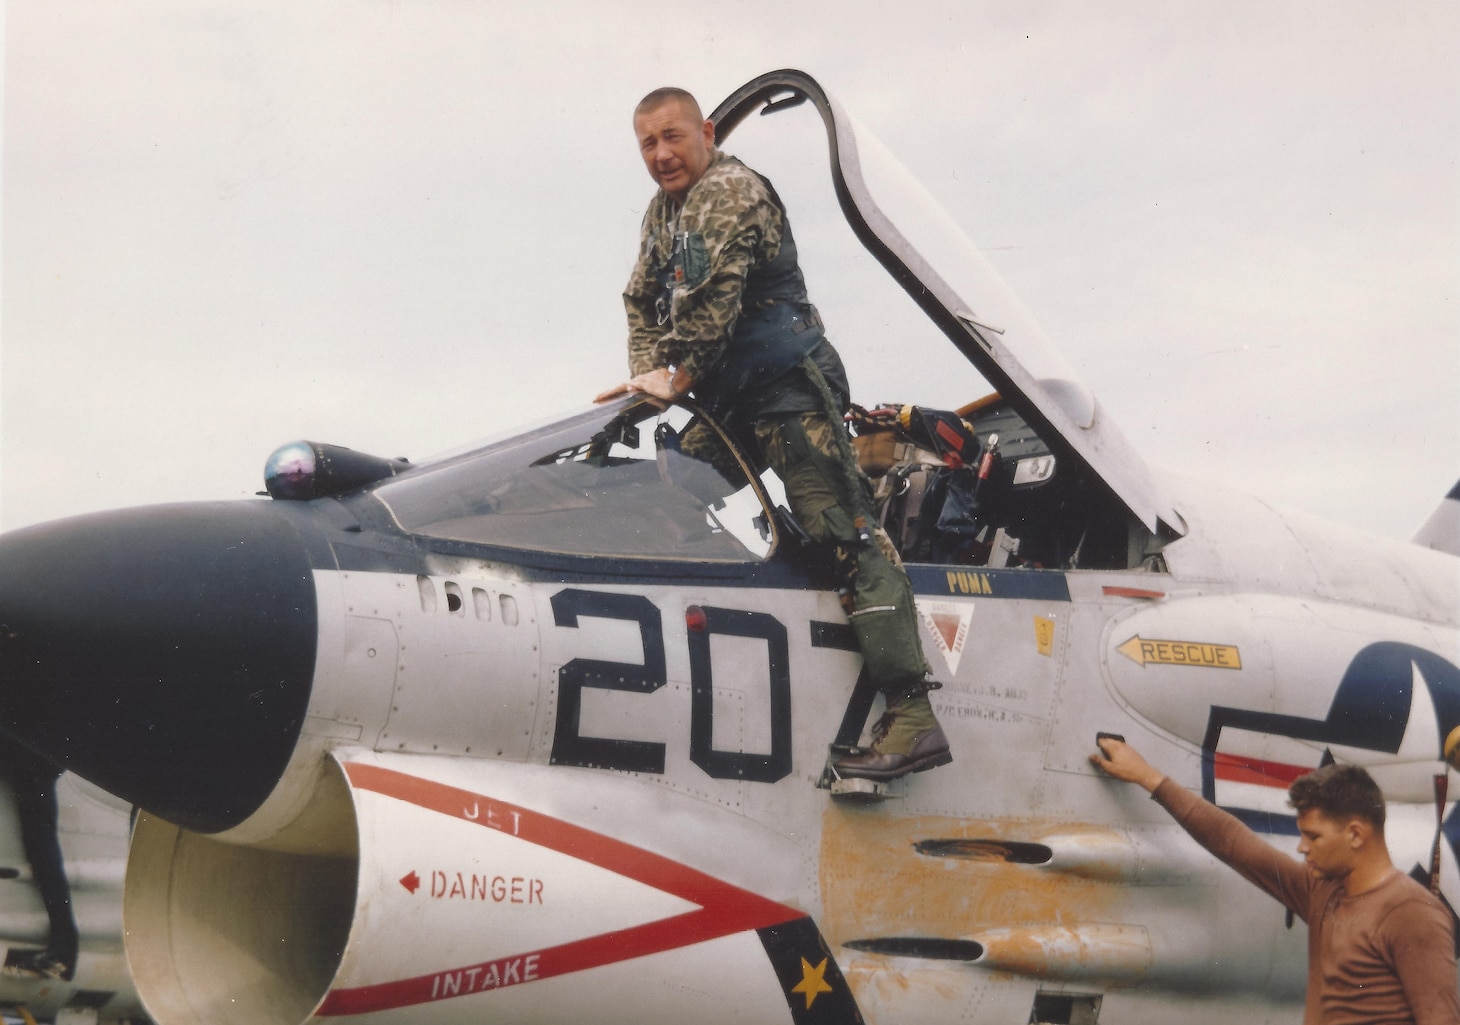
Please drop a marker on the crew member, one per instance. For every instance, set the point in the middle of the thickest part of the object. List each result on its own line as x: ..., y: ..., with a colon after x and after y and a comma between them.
x: 717, y: 306
x: 33, y: 779
x: 1381, y: 947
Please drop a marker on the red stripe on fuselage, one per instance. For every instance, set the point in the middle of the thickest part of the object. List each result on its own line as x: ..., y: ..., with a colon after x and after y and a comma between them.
x: 723, y: 909
x: 1237, y: 769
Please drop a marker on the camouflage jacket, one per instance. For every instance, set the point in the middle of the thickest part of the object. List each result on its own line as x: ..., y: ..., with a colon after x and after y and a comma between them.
x: 741, y: 227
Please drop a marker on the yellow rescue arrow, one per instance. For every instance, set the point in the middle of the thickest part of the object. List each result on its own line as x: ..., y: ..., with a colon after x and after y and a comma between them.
x: 1181, y: 653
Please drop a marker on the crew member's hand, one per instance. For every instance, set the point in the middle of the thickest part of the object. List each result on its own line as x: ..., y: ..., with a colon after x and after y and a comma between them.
x: 1117, y: 758
x: 1452, y: 748
x: 658, y: 383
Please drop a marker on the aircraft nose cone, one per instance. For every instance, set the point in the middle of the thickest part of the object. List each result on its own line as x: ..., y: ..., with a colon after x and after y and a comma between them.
x: 165, y: 653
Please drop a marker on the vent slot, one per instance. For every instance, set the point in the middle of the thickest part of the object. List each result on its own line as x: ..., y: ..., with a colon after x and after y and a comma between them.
x: 1064, y: 1009
x: 1011, y: 852
x: 931, y: 947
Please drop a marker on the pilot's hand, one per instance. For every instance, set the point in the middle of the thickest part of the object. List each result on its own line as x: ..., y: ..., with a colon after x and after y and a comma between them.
x: 609, y: 394
x: 1117, y: 758
x: 657, y: 383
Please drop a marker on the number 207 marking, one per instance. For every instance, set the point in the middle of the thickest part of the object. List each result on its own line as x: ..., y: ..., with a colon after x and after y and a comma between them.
x: 572, y: 748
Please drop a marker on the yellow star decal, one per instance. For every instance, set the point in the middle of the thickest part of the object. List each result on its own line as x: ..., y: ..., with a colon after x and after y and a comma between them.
x: 812, y: 981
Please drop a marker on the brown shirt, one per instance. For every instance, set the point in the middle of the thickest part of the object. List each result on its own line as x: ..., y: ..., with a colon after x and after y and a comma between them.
x: 1385, y: 957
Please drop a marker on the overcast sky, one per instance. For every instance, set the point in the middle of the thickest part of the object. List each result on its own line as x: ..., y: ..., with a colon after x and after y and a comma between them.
x: 401, y: 226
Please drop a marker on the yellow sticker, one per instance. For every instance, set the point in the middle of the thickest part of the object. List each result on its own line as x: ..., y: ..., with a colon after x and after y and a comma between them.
x: 1181, y: 653
x: 1044, y: 635
x: 813, y: 981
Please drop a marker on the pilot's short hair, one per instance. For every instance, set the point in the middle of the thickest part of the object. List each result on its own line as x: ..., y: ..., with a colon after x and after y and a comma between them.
x: 1340, y: 792
x: 659, y: 97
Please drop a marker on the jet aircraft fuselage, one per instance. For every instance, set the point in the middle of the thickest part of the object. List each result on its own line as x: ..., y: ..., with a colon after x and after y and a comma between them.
x: 543, y: 730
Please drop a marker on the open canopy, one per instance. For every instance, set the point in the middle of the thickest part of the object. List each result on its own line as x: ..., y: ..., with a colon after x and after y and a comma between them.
x: 920, y: 246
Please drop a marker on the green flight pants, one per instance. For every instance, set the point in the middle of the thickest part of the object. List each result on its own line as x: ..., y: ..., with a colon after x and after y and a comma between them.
x: 819, y: 474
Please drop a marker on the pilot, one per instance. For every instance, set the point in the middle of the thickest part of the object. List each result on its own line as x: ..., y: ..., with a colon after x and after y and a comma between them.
x: 1381, y: 947
x: 33, y: 779
x: 717, y: 306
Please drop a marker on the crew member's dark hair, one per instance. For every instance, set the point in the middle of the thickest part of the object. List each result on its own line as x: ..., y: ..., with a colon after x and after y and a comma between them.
x: 1340, y: 792
x: 659, y: 97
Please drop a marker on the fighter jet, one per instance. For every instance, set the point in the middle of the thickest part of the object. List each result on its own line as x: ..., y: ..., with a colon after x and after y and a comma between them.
x: 544, y: 730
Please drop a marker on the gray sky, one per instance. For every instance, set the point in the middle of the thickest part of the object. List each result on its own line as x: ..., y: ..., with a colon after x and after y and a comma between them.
x: 401, y: 226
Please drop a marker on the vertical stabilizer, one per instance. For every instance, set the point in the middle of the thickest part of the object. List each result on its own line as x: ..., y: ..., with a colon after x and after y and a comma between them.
x: 1442, y: 530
